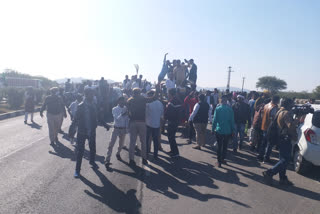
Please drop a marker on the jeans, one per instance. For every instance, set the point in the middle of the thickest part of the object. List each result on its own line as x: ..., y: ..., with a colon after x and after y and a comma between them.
x: 121, y: 133
x: 154, y: 133
x: 222, y: 146
x: 172, y: 130
x: 239, y: 130
x: 191, y: 130
x: 285, y: 147
x: 265, y: 147
x: 81, y: 139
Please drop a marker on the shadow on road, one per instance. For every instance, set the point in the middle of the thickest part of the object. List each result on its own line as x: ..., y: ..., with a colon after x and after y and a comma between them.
x: 34, y: 125
x: 112, y: 196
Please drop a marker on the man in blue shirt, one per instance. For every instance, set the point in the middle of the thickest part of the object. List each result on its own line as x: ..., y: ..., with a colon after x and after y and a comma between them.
x: 223, y: 127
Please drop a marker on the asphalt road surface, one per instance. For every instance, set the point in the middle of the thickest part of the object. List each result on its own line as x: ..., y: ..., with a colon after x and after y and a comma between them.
x: 38, y: 178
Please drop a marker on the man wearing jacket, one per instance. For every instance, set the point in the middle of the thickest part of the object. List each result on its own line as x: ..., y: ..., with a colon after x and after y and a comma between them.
x: 172, y: 114
x: 86, y: 119
x: 287, y: 132
x: 241, y: 117
x: 199, y: 116
x: 55, y: 110
x: 223, y: 127
x: 269, y: 112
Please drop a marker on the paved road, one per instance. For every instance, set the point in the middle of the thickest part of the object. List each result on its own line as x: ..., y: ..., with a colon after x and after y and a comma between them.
x: 38, y: 178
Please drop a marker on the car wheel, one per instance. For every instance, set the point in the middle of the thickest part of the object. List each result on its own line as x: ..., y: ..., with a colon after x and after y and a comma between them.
x: 300, y: 164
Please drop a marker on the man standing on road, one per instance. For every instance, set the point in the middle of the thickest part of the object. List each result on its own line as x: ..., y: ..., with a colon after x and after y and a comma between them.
x: 199, y: 116
x: 223, y: 127
x: 173, y: 115
x: 191, y: 100
x: 86, y: 119
x: 287, y: 133
x: 55, y: 110
x: 241, y: 117
x: 121, y: 119
x: 137, y: 115
x: 269, y: 112
x: 154, y: 112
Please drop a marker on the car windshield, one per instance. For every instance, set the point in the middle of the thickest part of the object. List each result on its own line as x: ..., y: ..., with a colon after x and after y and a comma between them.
x: 316, y: 119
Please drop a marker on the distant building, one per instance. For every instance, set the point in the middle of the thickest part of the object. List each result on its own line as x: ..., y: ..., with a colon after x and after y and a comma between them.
x: 20, y: 82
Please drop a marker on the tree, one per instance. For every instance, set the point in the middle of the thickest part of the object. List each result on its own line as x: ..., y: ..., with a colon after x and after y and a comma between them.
x: 316, y: 92
x: 271, y: 83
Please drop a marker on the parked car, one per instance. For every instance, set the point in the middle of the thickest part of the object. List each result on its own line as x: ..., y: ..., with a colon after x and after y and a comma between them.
x: 306, y: 151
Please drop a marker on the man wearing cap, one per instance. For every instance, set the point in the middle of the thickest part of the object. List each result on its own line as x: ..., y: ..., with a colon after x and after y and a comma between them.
x: 55, y: 110
x: 137, y: 125
x: 241, y: 117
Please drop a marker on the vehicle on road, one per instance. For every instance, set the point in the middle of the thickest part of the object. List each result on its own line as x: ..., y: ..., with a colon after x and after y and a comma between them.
x: 306, y: 151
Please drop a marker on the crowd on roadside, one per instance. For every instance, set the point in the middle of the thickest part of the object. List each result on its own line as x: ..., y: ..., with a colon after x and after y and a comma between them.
x: 145, y: 110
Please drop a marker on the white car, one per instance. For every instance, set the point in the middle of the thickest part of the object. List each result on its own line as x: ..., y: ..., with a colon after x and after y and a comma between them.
x: 306, y: 151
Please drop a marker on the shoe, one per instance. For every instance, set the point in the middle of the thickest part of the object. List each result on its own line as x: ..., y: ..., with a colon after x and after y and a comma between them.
x: 161, y: 149
x: 267, y: 178
x: 240, y: 146
x: 144, y: 161
x: 107, y: 164
x: 189, y: 141
x: 25, y: 122
x: 266, y: 160
x: 57, y: 140
x: 60, y: 132
x: 93, y: 165
x: 260, y: 159
x: 76, y: 174
x: 52, y: 143
x: 285, y: 182
x: 32, y: 121
x: 252, y: 148
x: 174, y: 155
x: 224, y: 162
x: 132, y: 163
x: 235, y: 151
x: 118, y: 157
x: 197, y: 147
x: 218, y: 165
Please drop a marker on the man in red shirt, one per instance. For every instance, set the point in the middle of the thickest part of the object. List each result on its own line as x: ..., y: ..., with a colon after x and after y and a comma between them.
x: 191, y: 100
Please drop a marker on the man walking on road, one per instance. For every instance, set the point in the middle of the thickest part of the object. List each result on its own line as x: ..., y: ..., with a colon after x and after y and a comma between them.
x: 269, y: 112
x: 199, y: 117
x: 287, y: 133
x: 154, y: 112
x: 55, y: 110
x: 241, y: 117
x: 137, y: 115
x: 223, y: 127
x: 121, y: 119
x: 172, y: 114
x: 86, y: 119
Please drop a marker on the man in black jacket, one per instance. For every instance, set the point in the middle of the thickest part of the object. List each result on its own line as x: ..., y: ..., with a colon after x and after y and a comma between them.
x: 86, y: 119
x: 173, y: 115
x: 55, y: 111
x: 241, y: 117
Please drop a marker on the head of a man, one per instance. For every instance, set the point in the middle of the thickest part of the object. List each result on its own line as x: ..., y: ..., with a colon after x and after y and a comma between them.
x: 168, y: 62
x: 191, y: 61
x: 88, y: 94
x: 151, y: 93
x: 208, y: 93
x: 121, y: 101
x: 54, y: 90
x: 240, y: 98
x: 178, y: 62
x: 287, y: 103
x: 202, y: 98
x: 275, y: 100
x: 79, y: 98
x: 224, y: 99
x: 127, y: 77
x: 140, y: 76
x: 172, y: 93
x: 136, y: 92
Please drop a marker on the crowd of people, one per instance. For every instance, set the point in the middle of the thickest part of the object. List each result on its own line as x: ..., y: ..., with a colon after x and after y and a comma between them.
x: 149, y: 110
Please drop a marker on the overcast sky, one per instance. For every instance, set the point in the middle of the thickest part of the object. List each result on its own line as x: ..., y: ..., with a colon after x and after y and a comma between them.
x: 90, y: 39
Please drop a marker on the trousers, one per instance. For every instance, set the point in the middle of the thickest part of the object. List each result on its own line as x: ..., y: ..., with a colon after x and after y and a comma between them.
x: 81, y: 139
x: 53, y: 125
x: 116, y: 133
x: 201, y: 129
x: 137, y: 128
x: 222, y: 140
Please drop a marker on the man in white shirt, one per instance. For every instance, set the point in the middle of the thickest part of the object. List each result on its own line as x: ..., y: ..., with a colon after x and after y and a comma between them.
x: 121, y: 119
x: 154, y: 112
x: 170, y: 83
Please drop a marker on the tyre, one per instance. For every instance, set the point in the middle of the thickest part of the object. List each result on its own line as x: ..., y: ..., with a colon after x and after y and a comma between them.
x: 300, y: 164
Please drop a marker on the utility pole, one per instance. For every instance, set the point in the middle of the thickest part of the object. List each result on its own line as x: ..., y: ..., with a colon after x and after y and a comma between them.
x: 243, y: 78
x: 229, y: 77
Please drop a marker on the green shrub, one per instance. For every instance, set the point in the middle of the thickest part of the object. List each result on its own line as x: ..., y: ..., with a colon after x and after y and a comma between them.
x: 15, y: 97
